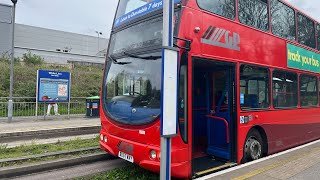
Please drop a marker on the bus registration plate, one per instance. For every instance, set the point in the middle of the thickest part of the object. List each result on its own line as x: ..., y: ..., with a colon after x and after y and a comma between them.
x: 125, y: 156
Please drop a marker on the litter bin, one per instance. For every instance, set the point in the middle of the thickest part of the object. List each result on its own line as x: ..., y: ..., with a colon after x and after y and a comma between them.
x: 93, y: 106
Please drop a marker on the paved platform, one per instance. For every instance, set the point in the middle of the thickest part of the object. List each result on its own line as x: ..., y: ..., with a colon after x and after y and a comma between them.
x: 298, y: 163
x: 24, y: 124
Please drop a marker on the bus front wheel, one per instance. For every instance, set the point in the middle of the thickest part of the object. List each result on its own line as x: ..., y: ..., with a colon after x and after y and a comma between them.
x: 253, y: 148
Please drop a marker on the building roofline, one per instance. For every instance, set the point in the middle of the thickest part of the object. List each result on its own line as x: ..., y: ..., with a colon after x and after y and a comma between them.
x: 8, y: 5
x: 69, y: 53
x: 61, y: 31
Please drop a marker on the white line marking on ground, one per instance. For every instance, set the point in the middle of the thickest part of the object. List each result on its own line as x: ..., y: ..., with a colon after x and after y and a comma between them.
x: 256, y: 161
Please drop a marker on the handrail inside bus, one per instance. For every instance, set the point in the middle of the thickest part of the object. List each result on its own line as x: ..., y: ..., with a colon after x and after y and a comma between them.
x: 225, y: 122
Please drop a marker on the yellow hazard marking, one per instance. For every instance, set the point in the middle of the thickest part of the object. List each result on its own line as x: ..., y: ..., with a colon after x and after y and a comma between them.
x: 272, y: 166
x: 214, y: 169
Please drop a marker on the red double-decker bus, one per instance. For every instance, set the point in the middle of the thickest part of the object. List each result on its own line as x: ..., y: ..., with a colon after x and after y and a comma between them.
x: 248, y: 83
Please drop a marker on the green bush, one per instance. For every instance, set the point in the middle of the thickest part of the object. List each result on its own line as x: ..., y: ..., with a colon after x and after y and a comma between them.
x: 85, y: 81
x: 32, y: 59
x: 4, y: 57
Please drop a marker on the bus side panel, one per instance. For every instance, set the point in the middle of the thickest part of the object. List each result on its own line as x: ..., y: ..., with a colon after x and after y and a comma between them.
x: 242, y: 134
x: 284, y: 128
x: 280, y: 127
x: 190, y: 19
x: 289, y: 128
x: 229, y: 40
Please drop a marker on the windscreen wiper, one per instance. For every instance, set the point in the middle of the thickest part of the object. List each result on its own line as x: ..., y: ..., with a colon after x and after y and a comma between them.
x: 142, y: 57
x: 116, y: 62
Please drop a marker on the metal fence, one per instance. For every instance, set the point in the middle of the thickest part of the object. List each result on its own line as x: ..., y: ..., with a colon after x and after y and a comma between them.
x: 26, y: 106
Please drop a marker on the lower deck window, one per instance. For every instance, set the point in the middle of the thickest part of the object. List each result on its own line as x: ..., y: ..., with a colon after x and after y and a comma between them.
x: 254, y: 87
x: 308, y: 91
x: 285, y: 89
x: 318, y: 36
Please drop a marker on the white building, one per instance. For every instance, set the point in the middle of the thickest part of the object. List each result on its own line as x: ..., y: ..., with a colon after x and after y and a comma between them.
x: 5, y: 30
x: 57, y: 47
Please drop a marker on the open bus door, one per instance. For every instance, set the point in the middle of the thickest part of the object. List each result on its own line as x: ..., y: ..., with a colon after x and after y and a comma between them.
x: 214, y: 116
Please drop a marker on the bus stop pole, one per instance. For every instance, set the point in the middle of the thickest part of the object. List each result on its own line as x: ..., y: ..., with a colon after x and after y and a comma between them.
x: 167, y: 41
x: 10, y: 102
x: 37, y: 95
x: 69, y: 93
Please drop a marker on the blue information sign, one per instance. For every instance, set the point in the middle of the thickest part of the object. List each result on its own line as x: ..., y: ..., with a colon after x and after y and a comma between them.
x: 53, y: 86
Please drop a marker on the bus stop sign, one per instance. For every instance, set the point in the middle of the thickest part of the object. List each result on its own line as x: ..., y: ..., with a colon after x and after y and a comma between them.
x: 169, y: 92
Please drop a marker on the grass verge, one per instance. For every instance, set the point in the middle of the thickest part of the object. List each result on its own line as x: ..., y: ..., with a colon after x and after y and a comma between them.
x: 132, y: 172
x: 26, y: 150
x: 48, y: 158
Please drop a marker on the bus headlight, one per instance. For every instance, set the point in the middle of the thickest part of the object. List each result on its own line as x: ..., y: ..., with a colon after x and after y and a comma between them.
x: 101, y: 137
x: 105, y: 139
x: 153, y: 154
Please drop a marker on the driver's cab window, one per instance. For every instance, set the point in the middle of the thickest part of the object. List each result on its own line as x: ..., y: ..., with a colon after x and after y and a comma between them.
x: 254, y: 87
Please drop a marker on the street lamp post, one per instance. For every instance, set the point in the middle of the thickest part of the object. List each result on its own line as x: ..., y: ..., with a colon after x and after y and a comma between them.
x: 99, y: 33
x: 10, y: 105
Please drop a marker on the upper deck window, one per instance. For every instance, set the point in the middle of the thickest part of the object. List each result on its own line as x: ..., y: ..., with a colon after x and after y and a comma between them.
x: 318, y: 33
x: 254, y: 13
x: 306, y: 32
x: 283, y: 20
x: 225, y: 8
x: 144, y: 34
x: 141, y: 35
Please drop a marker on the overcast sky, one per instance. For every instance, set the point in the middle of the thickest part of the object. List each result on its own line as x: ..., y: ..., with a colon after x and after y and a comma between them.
x: 79, y: 16
x: 309, y: 7
x: 87, y: 16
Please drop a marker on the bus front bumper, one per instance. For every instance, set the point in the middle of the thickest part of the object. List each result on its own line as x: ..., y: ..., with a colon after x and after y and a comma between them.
x: 141, y: 155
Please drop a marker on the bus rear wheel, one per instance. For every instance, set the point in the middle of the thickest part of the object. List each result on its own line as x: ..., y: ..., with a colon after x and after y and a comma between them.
x: 253, y: 148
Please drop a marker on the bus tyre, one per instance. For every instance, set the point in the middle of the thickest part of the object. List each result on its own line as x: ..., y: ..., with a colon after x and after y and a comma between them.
x: 253, y: 148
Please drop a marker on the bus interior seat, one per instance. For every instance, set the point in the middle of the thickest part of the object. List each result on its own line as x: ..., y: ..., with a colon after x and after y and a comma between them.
x: 251, y: 100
